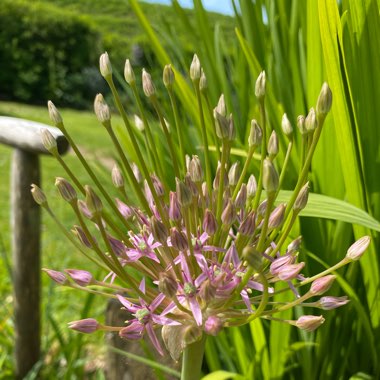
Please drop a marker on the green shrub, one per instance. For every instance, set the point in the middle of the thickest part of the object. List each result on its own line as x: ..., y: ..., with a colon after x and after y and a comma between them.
x: 45, y: 50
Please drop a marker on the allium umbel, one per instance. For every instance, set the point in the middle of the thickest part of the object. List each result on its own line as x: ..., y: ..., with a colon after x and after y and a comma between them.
x: 209, y: 251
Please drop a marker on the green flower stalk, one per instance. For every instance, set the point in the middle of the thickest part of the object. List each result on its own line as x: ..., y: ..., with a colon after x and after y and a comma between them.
x: 212, y: 248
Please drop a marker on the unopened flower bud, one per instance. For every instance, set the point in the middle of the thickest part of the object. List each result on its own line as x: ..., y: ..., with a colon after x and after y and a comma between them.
x: 322, y: 285
x: 234, y: 174
x: 148, y: 86
x: 38, y: 195
x: 251, y: 186
x: 139, y: 123
x: 216, y: 181
x: 330, y: 303
x: 82, y: 206
x: 105, y: 66
x: 247, y: 226
x: 205, y: 194
x: 241, y: 197
x: 102, y: 110
x: 195, y: 69
x: 82, y: 237
x: 280, y: 262
x: 159, y: 230
x: 210, y: 224
x: 178, y: 239
x: 56, y: 276
x: 273, y: 145
x: 195, y: 170
x: 295, y: 244
x: 129, y: 75
x: 117, y: 177
x: 86, y: 326
x: 291, y: 271
x: 81, y: 277
x: 174, y: 209
x: 355, y: 252
x: 49, y: 142
x: 261, y: 210
x: 229, y: 214
x: 213, y: 325
x: 221, y: 107
x: 324, y: 101
x: 270, y: 177
x: 203, y: 85
x: 158, y: 186
x: 301, y: 124
x: 168, y: 76
x: 191, y: 185
x: 286, y: 126
x: 309, y: 322
x: 184, y: 195
x: 221, y: 125
x: 136, y: 172
x: 277, y: 216
x: 311, y: 121
x: 255, y: 134
x: 253, y: 257
x: 93, y: 202
x: 167, y: 285
x: 260, y: 86
x: 302, y: 198
x: 231, y: 129
x: 65, y: 189
x: 54, y: 115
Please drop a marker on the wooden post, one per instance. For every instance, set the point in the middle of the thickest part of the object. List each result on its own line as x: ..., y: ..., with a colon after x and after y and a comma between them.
x: 25, y: 136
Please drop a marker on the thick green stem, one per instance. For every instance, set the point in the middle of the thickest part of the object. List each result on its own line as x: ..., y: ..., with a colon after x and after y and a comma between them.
x: 192, y: 360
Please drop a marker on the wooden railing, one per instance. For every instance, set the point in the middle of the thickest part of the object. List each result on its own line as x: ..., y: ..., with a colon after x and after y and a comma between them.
x: 24, y: 137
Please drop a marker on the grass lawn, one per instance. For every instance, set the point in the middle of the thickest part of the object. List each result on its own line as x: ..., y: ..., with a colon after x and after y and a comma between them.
x: 57, y: 252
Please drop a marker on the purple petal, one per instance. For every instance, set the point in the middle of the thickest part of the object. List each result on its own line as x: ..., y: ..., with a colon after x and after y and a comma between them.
x: 196, y: 310
x: 153, y: 338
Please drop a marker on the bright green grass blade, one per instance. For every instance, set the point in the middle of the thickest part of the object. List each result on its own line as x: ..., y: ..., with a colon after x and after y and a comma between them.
x: 223, y: 375
x: 322, y: 206
x: 261, y: 347
x: 238, y: 341
x: 331, y: 36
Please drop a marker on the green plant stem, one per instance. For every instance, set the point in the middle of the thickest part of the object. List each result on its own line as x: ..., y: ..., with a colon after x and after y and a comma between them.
x: 137, y: 150
x: 156, y: 162
x: 225, y: 150
x: 192, y: 360
x: 204, y: 138
x: 178, y: 128
x: 284, y: 166
x: 263, y: 154
x: 244, y: 171
x: 157, y: 107
x: 216, y: 139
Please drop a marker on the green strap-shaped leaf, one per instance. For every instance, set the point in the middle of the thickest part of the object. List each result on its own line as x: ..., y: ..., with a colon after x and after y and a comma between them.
x: 322, y: 206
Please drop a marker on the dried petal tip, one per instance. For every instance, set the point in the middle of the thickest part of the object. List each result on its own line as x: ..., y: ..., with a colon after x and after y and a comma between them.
x: 324, y: 101
x: 322, y: 285
x: 102, y: 111
x: 56, y: 276
x: 38, y: 195
x: 48, y: 141
x: 195, y: 69
x: 86, y: 326
x: 105, y: 66
x: 148, y: 86
x: 168, y: 76
x: 129, y: 75
x: 81, y: 277
x: 309, y: 322
x: 356, y: 251
x: 54, y: 115
x: 260, y: 86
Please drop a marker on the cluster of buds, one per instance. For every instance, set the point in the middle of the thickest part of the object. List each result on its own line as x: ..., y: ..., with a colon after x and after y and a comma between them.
x: 209, y: 253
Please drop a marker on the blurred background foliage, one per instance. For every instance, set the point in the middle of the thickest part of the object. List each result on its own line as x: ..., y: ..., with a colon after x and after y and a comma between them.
x: 51, y: 48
